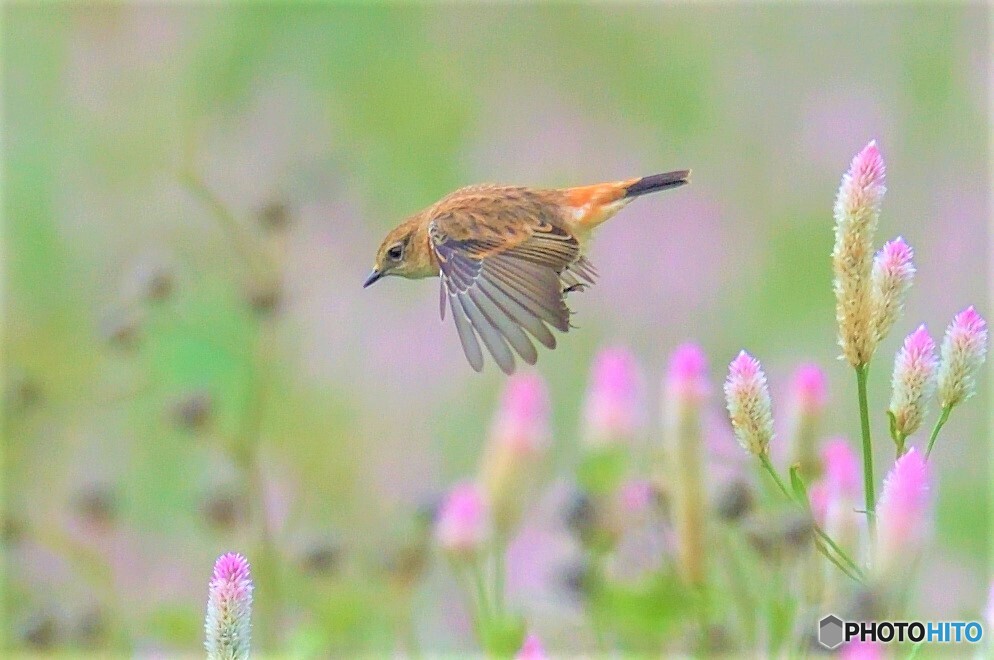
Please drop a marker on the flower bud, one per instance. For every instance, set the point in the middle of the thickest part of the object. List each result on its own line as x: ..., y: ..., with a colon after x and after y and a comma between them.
x: 857, y: 210
x: 464, y: 525
x: 518, y: 441
x: 891, y: 278
x: 686, y: 388
x: 229, y: 609
x: 913, y: 382
x: 809, y: 394
x: 612, y: 412
x: 964, y: 349
x: 902, y: 513
x: 532, y: 649
x: 749, y: 406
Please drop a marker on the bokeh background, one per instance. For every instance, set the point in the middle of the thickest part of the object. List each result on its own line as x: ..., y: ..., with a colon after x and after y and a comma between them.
x: 193, y: 195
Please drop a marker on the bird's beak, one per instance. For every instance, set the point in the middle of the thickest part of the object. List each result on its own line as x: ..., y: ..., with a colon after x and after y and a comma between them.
x: 375, y: 275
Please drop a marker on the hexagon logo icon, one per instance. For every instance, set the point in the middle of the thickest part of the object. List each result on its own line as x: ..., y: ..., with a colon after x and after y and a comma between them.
x: 830, y: 631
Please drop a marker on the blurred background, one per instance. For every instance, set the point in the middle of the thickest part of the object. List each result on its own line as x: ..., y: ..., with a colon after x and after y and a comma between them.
x: 193, y: 196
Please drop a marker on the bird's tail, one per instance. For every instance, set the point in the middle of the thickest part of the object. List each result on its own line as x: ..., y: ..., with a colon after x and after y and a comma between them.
x: 655, y: 182
x: 592, y: 205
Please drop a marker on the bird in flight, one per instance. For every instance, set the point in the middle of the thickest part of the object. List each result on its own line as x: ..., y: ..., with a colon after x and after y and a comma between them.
x: 507, y: 256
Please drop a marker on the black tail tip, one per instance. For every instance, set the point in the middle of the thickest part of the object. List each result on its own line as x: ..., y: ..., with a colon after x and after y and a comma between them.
x: 655, y: 182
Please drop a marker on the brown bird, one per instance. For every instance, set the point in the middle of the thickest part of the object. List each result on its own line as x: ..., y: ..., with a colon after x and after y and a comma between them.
x: 507, y: 256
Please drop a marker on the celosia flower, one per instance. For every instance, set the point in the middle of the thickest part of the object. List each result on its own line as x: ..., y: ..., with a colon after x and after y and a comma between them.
x: 809, y: 388
x: 963, y: 351
x: 834, y: 496
x: 463, y: 526
x: 749, y: 407
x: 685, y: 389
x: 809, y: 394
x: 519, y: 438
x: 687, y: 377
x: 892, y: 275
x: 859, y: 650
x: 531, y: 649
x: 857, y: 209
x: 229, y: 609
x: 613, y: 406
x: 913, y: 382
x: 902, y: 514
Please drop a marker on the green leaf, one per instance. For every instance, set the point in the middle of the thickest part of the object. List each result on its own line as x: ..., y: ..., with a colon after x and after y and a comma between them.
x: 503, y: 637
x: 602, y: 470
x: 797, y: 484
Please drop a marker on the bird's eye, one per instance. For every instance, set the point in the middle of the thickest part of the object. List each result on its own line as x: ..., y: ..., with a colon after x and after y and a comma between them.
x: 396, y: 252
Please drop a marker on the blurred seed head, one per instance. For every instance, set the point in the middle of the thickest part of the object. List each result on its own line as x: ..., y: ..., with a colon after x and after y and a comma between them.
x: 39, y: 630
x: 96, y: 505
x: 265, y: 296
x: 155, y: 282
x: 734, y: 500
x: 224, y: 509
x: 22, y: 392
x: 779, y: 535
x: 275, y: 214
x: 322, y: 557
x: 121, y: 329
x: 90, y: 628
x: 575, y: 578
x: 193, y: 410
x: 405, y: 563
x: 13, y: 530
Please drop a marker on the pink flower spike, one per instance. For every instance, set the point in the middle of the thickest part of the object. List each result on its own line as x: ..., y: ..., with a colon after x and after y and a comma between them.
x: 863, y: 184
x: 809, y: 387
x: 463, y: 524
x: 229, y: 609
x: 613, y: 408
x: 749, y: 407
x: 892, y: 275
x: 842, y: 468
x: 523, y: 418
x: 964, y: 349
x: 687, y: 377
x: 857, y: 650
x: 913, y: 382
x: 531, y: 649
x: 857, y: 211
x: 902, y: 513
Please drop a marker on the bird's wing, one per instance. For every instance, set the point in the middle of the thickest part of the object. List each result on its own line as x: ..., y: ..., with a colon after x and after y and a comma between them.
x: 503, y: 276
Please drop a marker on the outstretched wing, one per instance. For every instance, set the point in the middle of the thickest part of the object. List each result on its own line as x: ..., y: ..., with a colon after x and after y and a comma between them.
x: 504, y: 278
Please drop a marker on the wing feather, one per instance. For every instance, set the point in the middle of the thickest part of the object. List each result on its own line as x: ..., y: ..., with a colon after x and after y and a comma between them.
x: 504, y: 279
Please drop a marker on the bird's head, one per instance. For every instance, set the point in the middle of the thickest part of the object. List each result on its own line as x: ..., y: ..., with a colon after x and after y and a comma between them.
x: 403, y: 252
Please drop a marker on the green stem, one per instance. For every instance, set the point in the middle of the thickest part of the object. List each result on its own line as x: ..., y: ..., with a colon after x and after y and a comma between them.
x: 476, y: 574
x: 768, y: 465
x: 943, y: 418
x: 864, y: 420
x: 824, y: 551
x: 765, y: 460
x: 839, y: 551
x: 500, y: 553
